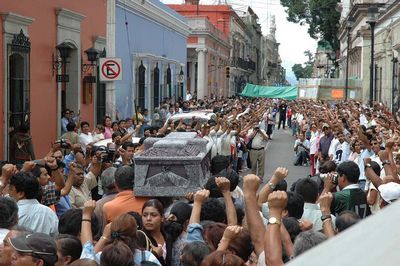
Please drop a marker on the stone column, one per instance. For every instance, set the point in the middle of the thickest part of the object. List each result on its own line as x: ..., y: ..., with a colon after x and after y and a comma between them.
x: 201, y: 72
x: 110, y: 43
x: 192, y: 77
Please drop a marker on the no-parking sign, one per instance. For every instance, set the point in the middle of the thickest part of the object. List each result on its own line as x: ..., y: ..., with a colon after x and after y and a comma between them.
x: 110, y: 69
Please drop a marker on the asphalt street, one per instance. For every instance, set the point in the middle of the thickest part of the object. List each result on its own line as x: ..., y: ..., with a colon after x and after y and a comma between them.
x: 279, y: 153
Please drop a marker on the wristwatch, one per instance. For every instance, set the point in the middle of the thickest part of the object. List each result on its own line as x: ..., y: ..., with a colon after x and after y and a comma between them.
x: 385, y: 162
x: 271, y: 185
x: 273, y: 220
x: 368, y: 165
x: 325, y: 217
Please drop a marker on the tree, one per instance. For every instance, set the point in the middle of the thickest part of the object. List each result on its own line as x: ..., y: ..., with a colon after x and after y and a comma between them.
x: 321, y: 16
x: 305, y: 71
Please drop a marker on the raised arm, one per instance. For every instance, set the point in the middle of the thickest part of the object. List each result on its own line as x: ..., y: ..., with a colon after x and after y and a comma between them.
x: 86, y: 228
x: 279, y: 175
x: 272, y: 240
x: 325, y: 201
x: 199, y: 197
x: 255, y: 224
x: 224, y: 186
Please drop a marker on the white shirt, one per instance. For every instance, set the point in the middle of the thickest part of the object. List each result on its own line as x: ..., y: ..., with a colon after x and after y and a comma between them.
x: 313, y: 142
x: 37, y: 217
x: 258, y: 141
x: 85, y: 139
x: 188, y: 97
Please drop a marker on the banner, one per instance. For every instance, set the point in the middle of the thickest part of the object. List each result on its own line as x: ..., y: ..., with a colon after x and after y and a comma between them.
x: 251, y: 90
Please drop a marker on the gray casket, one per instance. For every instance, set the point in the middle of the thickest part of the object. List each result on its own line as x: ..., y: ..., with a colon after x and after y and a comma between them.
x: 172, y: 166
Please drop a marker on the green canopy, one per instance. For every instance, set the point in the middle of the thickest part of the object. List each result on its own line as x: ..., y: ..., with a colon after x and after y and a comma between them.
x: 251, y: 90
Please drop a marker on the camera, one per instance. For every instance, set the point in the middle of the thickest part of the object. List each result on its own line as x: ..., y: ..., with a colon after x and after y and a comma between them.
x: 106, y: 153
x: 63, y: 143
x: 334, y: 177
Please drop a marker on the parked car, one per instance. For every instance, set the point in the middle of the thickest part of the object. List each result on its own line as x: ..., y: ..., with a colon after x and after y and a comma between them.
x: 204, y: 115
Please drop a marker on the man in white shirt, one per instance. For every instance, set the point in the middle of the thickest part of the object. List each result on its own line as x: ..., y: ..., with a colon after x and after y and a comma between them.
x: 258, y: 138
x: 302, y: 149
x: 85, y: 138
x: 313, y: 147
x: 188, y: 95
x: 24, y: 188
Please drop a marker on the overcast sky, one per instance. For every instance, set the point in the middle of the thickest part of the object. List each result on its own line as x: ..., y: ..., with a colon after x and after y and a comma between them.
x: 293, y: 38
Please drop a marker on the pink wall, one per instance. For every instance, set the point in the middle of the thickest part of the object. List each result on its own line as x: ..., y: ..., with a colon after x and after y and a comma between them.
x: 43, y: 37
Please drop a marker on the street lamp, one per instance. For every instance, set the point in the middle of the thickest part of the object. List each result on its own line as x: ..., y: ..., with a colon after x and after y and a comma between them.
x: 349, y: 25
x: 372, y: 17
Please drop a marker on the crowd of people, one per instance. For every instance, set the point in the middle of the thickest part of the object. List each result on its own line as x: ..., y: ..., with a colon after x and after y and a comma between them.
x: 77, y: 205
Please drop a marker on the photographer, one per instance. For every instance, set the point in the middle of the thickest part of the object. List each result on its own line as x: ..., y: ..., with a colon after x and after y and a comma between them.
x: 257, y: 140
x: 302, y: 150
x: 350, y: 197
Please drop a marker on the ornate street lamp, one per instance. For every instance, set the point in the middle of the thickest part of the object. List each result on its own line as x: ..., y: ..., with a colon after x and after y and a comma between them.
x: 372, y: 18
x: 349, y: 26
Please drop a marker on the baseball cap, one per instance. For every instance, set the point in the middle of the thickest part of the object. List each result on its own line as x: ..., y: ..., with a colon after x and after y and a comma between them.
x: 325, y: 125
x: 38, y: 244
x: 389, y: 191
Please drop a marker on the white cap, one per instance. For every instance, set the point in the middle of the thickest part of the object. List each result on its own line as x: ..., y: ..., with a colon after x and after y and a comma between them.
x: 390, y: 191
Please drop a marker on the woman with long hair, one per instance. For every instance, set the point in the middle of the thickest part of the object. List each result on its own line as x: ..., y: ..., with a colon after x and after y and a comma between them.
x: 123, y: 229
x: 153, y: 226
x: 107, y: 123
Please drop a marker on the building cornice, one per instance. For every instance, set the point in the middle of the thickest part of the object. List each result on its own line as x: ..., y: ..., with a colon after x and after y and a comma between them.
x: 17, y: 19
x: 63, y: 12
x: 152, y: 12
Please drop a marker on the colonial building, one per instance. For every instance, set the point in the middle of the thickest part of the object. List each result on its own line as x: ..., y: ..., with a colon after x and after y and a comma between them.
x: 44, y: 66
x: 151, y: 39
x: 272, y: 72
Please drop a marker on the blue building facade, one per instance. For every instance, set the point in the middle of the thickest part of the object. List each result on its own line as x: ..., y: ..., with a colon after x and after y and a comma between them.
x: 151, y: 40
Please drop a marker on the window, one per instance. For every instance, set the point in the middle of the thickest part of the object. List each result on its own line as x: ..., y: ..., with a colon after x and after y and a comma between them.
x: 142, y: 85
x: 169, y: 81
x: 100, y: 95
x: 18, y: 83
x: 156, y: 84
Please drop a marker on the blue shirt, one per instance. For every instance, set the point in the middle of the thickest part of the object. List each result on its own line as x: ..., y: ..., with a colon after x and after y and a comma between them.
x: 194, y: 233
x: 63, y: 205
x: 67, y: 160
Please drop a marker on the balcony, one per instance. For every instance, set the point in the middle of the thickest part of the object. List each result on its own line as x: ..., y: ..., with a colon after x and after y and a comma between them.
x: 247, y: 65
x: 201, y: 25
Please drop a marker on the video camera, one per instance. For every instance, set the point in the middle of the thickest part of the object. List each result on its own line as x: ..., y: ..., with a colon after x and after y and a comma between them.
x: 63, y: 143
x: 106, y: 153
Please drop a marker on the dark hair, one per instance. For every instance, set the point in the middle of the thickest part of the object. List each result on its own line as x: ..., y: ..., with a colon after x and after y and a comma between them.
x: 27, y: 183
x: 308, y: 189
x: 350, y: 170
x: 225, y: 258
x: 36, y: 172
x: 127, y: 144
x: 114, y: 123
x: 120, y: 121
x: 292, y: 226
x: 71, y: 220
x: 138, y: 219
x: 105, y: 118
x: 117, y: 254
x: 375, y: 166
x: 213, y: 233
x: 69, y: 245
x: 193, y: 253
x: 281, y: 186
x: 219, y: 163
x: 241, y: 245
x: 124, y: 177
x: 84, y: 262
x: 295, y: 205
x: 327, y: 167
x: 71, y: 126
x: 124, y: 229
x: 156, y: 204
x: 8, y: 213
x: 84, y: 123
x: 346, y: 219
x: 213, y: 210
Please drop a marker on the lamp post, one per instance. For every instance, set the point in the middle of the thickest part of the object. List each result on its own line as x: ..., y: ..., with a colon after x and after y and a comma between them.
x: 372, y: 17
x: 349, y: 25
